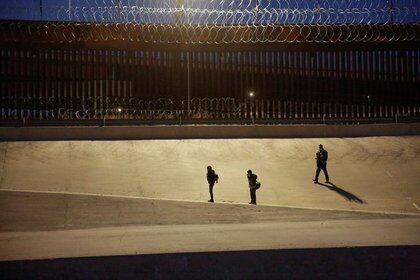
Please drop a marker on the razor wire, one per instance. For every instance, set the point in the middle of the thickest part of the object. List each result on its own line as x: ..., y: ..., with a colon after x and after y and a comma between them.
x: 52, y: 108
x: 115, y: 107
x: 211, y: 21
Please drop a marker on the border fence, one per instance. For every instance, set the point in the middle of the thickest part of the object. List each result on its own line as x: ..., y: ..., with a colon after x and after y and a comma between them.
x: 346, y: 61
x: 27, y: 111
x: 345, y: 74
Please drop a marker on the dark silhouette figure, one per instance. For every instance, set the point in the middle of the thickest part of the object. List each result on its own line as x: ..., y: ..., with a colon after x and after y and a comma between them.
x: 252, y: 182
x: 321, y: 164
x: 349, y: 196
x: 212, y: 178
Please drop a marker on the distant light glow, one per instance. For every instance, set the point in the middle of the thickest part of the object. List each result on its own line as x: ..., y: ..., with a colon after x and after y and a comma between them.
x: 119, y: 110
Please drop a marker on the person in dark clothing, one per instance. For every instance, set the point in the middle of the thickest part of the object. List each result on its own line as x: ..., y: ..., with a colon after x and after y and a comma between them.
x: 252, y: 182
x: 212, y: 178
x: 321, y: 164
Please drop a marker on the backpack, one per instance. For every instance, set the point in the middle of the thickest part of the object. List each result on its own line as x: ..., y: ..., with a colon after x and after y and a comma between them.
x: 216, y: 177
x: 257, y: 185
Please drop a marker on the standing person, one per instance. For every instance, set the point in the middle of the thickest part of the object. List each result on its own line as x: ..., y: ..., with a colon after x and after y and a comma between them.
x: 321, y: 164
x: 253, y: 186
x: 212, y: 178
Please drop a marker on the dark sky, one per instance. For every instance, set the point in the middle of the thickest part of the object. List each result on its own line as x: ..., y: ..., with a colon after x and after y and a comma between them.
x: 84, y: 10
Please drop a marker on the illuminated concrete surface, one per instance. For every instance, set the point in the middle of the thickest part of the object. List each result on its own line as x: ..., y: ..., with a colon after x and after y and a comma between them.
x: 45, y: 225
x: 376, y: 173
x: 95, y: 198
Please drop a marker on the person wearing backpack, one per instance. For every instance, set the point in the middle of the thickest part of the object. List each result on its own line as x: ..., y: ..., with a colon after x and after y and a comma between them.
x: 321, y: 164
x: 253, y: 186
x: 212, y: 178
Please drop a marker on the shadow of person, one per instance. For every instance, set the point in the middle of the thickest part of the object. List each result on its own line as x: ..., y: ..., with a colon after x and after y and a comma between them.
x: 349, y: 196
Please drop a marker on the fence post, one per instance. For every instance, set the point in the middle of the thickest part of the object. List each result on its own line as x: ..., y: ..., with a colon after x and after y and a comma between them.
x: 267, y: 109
x: 227, y: 108
x: 308, y: 113
x: 237, y: 108
x: 290, y: 110
x: 221, y: 108
x: 284, y: 109
x: 232, y: 109
x: 301, y: 110
x: 257, y: 109
x: 318, y: 110
x: 273, y: 111
x: 314, y: 110
x: 262, y: 109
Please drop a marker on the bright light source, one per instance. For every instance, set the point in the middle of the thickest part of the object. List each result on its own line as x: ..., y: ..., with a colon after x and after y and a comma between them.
x: 119, y: 110
x: 251, y: 94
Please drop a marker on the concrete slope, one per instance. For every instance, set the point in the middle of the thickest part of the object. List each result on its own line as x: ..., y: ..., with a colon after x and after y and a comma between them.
x: 45, y: 225
x: 29, y: 211
x: 370, y: 174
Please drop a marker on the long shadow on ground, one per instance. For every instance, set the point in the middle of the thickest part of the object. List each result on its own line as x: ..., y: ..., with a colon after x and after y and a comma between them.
x: 347, y: 195
x: 395, y: 262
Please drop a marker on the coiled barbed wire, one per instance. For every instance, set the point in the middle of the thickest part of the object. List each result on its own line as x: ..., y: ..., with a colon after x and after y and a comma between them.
x: 211, y: 21
x: 52, y: 108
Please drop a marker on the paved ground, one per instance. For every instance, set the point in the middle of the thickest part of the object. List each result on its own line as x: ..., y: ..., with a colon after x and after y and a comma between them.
x: 373, y: 174
x: 39, y: 226
x: 96, y: 198
x: 28, y: 211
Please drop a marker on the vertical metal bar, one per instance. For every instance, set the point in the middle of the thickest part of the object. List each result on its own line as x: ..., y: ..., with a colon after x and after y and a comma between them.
x: 188, y: 83
x: 70, y: 12
x: 12, y: 73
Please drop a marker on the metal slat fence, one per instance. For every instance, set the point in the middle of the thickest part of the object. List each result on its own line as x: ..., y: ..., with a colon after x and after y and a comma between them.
x: 209, y: 109
x: 322, y: 75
